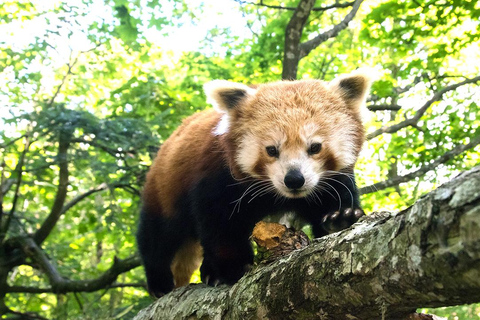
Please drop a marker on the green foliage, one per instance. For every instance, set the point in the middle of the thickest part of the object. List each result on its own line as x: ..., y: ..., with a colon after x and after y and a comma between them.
x: 91, y: 71
x: 112, y: 151
x: 470, y: 312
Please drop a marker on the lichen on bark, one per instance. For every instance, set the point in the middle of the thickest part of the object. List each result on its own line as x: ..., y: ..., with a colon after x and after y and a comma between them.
x: 385, y: 266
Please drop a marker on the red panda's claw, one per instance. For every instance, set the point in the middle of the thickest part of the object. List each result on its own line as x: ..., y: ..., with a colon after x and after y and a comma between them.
x: 358, y: 213
x: 341, y: 219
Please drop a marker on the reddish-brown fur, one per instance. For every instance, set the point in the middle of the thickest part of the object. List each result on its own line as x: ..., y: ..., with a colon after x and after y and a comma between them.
x: 194, y: 151
x: 189, y: 153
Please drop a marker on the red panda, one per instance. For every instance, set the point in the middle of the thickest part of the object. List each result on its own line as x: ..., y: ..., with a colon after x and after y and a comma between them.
x: 287, y: 146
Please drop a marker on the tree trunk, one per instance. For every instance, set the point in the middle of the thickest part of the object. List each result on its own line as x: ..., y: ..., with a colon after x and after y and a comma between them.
x: 384, y: 267
x: 294, y: 50
x: 293, y: 34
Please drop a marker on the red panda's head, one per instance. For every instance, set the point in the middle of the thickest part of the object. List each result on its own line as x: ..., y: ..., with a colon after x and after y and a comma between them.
x: 291, y: 132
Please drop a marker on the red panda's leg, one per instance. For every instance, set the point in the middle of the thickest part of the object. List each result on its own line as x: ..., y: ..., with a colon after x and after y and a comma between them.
x: 187, y: 259
x: 340, y: 206
x: 158, y: 243
x: 223, y: 233
x: 225, y: 259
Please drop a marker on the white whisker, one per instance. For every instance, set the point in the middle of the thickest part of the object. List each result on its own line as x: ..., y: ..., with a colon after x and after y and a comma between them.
x: 348, y: 189
x: 315, y: 196
x: 253, y: 188
x: 268, y: 184
x: 326, y: 190
x: 262, y: 191
x: 338, y: 194
x: 350, y: 176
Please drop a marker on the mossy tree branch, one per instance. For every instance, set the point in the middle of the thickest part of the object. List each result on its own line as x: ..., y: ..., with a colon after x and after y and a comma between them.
x: 385, y: 266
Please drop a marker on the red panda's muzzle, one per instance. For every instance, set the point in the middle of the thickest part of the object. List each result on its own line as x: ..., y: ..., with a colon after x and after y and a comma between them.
x: 294, y: 179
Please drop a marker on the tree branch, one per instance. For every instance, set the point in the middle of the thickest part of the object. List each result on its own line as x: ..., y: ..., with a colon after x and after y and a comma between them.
x: 383, y: 267
x: 383, y: 107
x: 56, y: 211
x: 4, y: 226
x: 9, y: 143
x: 420, y: 112
x: 323, y: 8
x: 33, y: 251
x: 308, y: 46
x: 70, y: 66
x: 293, y: 34
x: 475, y: 141
x: 61, y: 285
x: 24, y: 289
x: 24, y: 315
x: 111, y: 151
x: 84, y: 195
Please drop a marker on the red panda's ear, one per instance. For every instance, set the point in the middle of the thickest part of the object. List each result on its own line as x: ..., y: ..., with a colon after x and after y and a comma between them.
x: 226, y: 95
x: 354, y: 87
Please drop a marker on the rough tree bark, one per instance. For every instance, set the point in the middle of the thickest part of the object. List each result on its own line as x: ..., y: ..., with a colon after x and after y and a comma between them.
x: 385, y: 266
x: 294, y: 49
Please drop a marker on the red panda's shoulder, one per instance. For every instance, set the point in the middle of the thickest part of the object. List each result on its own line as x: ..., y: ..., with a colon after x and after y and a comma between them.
x: 186, y: 156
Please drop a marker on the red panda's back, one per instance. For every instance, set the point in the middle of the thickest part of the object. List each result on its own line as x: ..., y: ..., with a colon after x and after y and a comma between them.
x: 187, y: 155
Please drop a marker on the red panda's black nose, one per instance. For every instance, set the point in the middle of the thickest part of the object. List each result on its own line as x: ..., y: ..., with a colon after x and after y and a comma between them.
x: 294, y: 179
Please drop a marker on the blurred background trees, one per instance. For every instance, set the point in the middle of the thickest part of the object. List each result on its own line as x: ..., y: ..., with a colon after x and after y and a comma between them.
x: 90, y: 89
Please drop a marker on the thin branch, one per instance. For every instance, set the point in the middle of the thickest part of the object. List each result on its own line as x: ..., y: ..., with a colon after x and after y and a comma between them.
x: 80, y: 304
x: 244, y: 15
x: 24, y: 316
x: 9, y: 143
x: 400, y: 90
x: 42, y: 167
x: 118, y: 267
x: 5, y: 185
x: 82, y: 196
x: 61, y: 285
x: 111, y: 151
x: 384, y: 107
x: 70, y: 66
x: 422, y: 170
x: 420, y: 112
x: 57, y: 208
x: 19, y: 169
x: 25, y: 289
x: 323, y: 8
x: 33, y: 251
x: 308, y: 46
x: 325, y: 65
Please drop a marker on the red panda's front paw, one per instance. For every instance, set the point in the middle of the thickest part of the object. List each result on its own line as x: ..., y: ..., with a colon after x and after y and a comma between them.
x: 341, y: 219
x: 207, y: 274
x: 158, y: 286
x: 216, y: 276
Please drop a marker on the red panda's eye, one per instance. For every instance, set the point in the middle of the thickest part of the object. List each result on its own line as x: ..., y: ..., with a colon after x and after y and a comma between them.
x: 314, y: 148
x: 272, y: 151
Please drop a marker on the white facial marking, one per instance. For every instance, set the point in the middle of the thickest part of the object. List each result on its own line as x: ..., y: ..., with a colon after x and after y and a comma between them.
x: 296, y: 156
x: 248, y: 153
x: 342, y: 145
x: 309, y: 131
x: 295, y: 159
